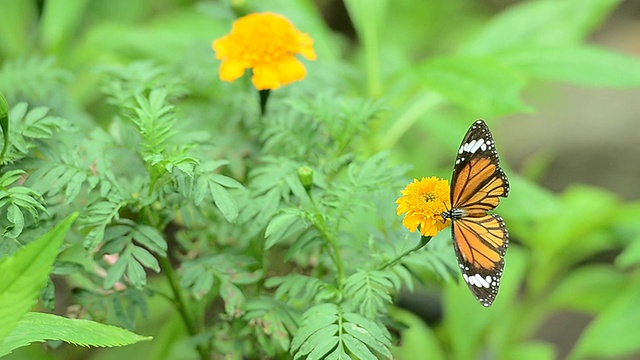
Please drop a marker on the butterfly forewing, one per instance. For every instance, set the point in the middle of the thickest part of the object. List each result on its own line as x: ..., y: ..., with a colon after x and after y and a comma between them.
x: 480, y: 239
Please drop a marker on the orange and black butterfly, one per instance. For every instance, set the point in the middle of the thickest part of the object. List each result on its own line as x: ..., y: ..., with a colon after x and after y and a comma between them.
x: 479, y: 239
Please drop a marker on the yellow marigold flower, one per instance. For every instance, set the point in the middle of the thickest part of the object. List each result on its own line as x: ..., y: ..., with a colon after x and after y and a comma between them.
x: 266, y: 43
x: 423, y: 202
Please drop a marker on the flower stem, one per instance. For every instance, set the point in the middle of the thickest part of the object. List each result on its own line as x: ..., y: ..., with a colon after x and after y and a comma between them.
x: 334, y: 248
x: 180, y: 302
x: 424, y: 240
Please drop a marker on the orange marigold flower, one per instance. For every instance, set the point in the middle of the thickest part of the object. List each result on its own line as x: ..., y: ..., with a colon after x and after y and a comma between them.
x: 423, y: 202
x: 266, y: 43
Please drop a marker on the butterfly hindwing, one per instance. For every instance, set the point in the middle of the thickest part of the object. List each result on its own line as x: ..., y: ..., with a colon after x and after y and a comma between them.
x: 480, y: 239
x: 480, y: 244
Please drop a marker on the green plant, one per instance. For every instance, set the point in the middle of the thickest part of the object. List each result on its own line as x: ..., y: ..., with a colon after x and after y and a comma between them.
x: 25, y: 273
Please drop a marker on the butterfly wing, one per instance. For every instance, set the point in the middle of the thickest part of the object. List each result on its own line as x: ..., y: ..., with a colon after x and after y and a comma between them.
x: 480, y: 244
x: 477, y: 179
x: 480, y: 239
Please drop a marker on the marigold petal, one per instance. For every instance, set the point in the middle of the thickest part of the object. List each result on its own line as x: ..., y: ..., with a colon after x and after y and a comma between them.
x: 221, y: 47
x: 265, y: 77
x: 306, y: 47
x: 231, y: 70
x: 290, y: 69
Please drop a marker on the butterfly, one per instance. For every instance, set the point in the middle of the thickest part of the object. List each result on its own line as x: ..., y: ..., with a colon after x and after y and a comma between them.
x: 479, y: 239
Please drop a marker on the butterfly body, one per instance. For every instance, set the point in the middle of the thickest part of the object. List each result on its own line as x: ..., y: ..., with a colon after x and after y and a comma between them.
x: 480, y: 239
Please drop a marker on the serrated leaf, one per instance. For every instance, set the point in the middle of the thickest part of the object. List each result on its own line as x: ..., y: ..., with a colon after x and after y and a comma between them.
x: 38, y: 327
x: 25, y: 273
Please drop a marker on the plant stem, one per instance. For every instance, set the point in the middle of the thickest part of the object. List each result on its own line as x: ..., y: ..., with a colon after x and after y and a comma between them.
x: 337, y: 259
x: 424, y: 240
x: 418, y: 107
x: 180, y: 302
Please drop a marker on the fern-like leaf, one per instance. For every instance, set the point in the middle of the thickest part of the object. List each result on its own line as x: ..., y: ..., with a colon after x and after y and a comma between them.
x: 38, y: 327
x: 15, y: 200
x: 369, y: 292
x: 31, y: 78
x: 328, y: 332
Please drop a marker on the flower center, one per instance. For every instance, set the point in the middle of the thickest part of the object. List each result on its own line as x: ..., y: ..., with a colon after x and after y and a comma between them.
x: 429, y: 197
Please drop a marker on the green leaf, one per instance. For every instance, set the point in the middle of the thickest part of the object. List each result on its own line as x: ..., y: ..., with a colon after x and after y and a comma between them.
x: 369, y: 292
x: 38, y: 327
x: 377, y: 330
x: 233, y: 298
x: 4, y: 124
x: 10, y: 177
x: 16, y: 218
x: 541, y: 23
x: 59, y: 22
x: 295, y: 287
x: 613, y: 333
x: 225, y: 181
x: 575, y: 291
x: 369, y: 21
x: 151, y: 238
x: 363, y: 336
x: 320, y: 342
x: 145, y: 258
x: 225, y: 203
x: 358, y: 348
x: 417, y: 337
x: 282, y: 225
x: 480, y: 84
x: 115, y: 272
x: 314, y: 319
x: 135, y: 274
x: 25, y: 273
x: 630, y: 256
x: 533, y: 351
x: 581, y: 65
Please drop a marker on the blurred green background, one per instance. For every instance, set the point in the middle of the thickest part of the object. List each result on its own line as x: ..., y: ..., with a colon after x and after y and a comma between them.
x: 557, y: 81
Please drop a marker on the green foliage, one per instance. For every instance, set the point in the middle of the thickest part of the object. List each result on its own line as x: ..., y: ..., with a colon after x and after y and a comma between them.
x: 276, y: 235
x: 25, y: 274
x: 38, y: 327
